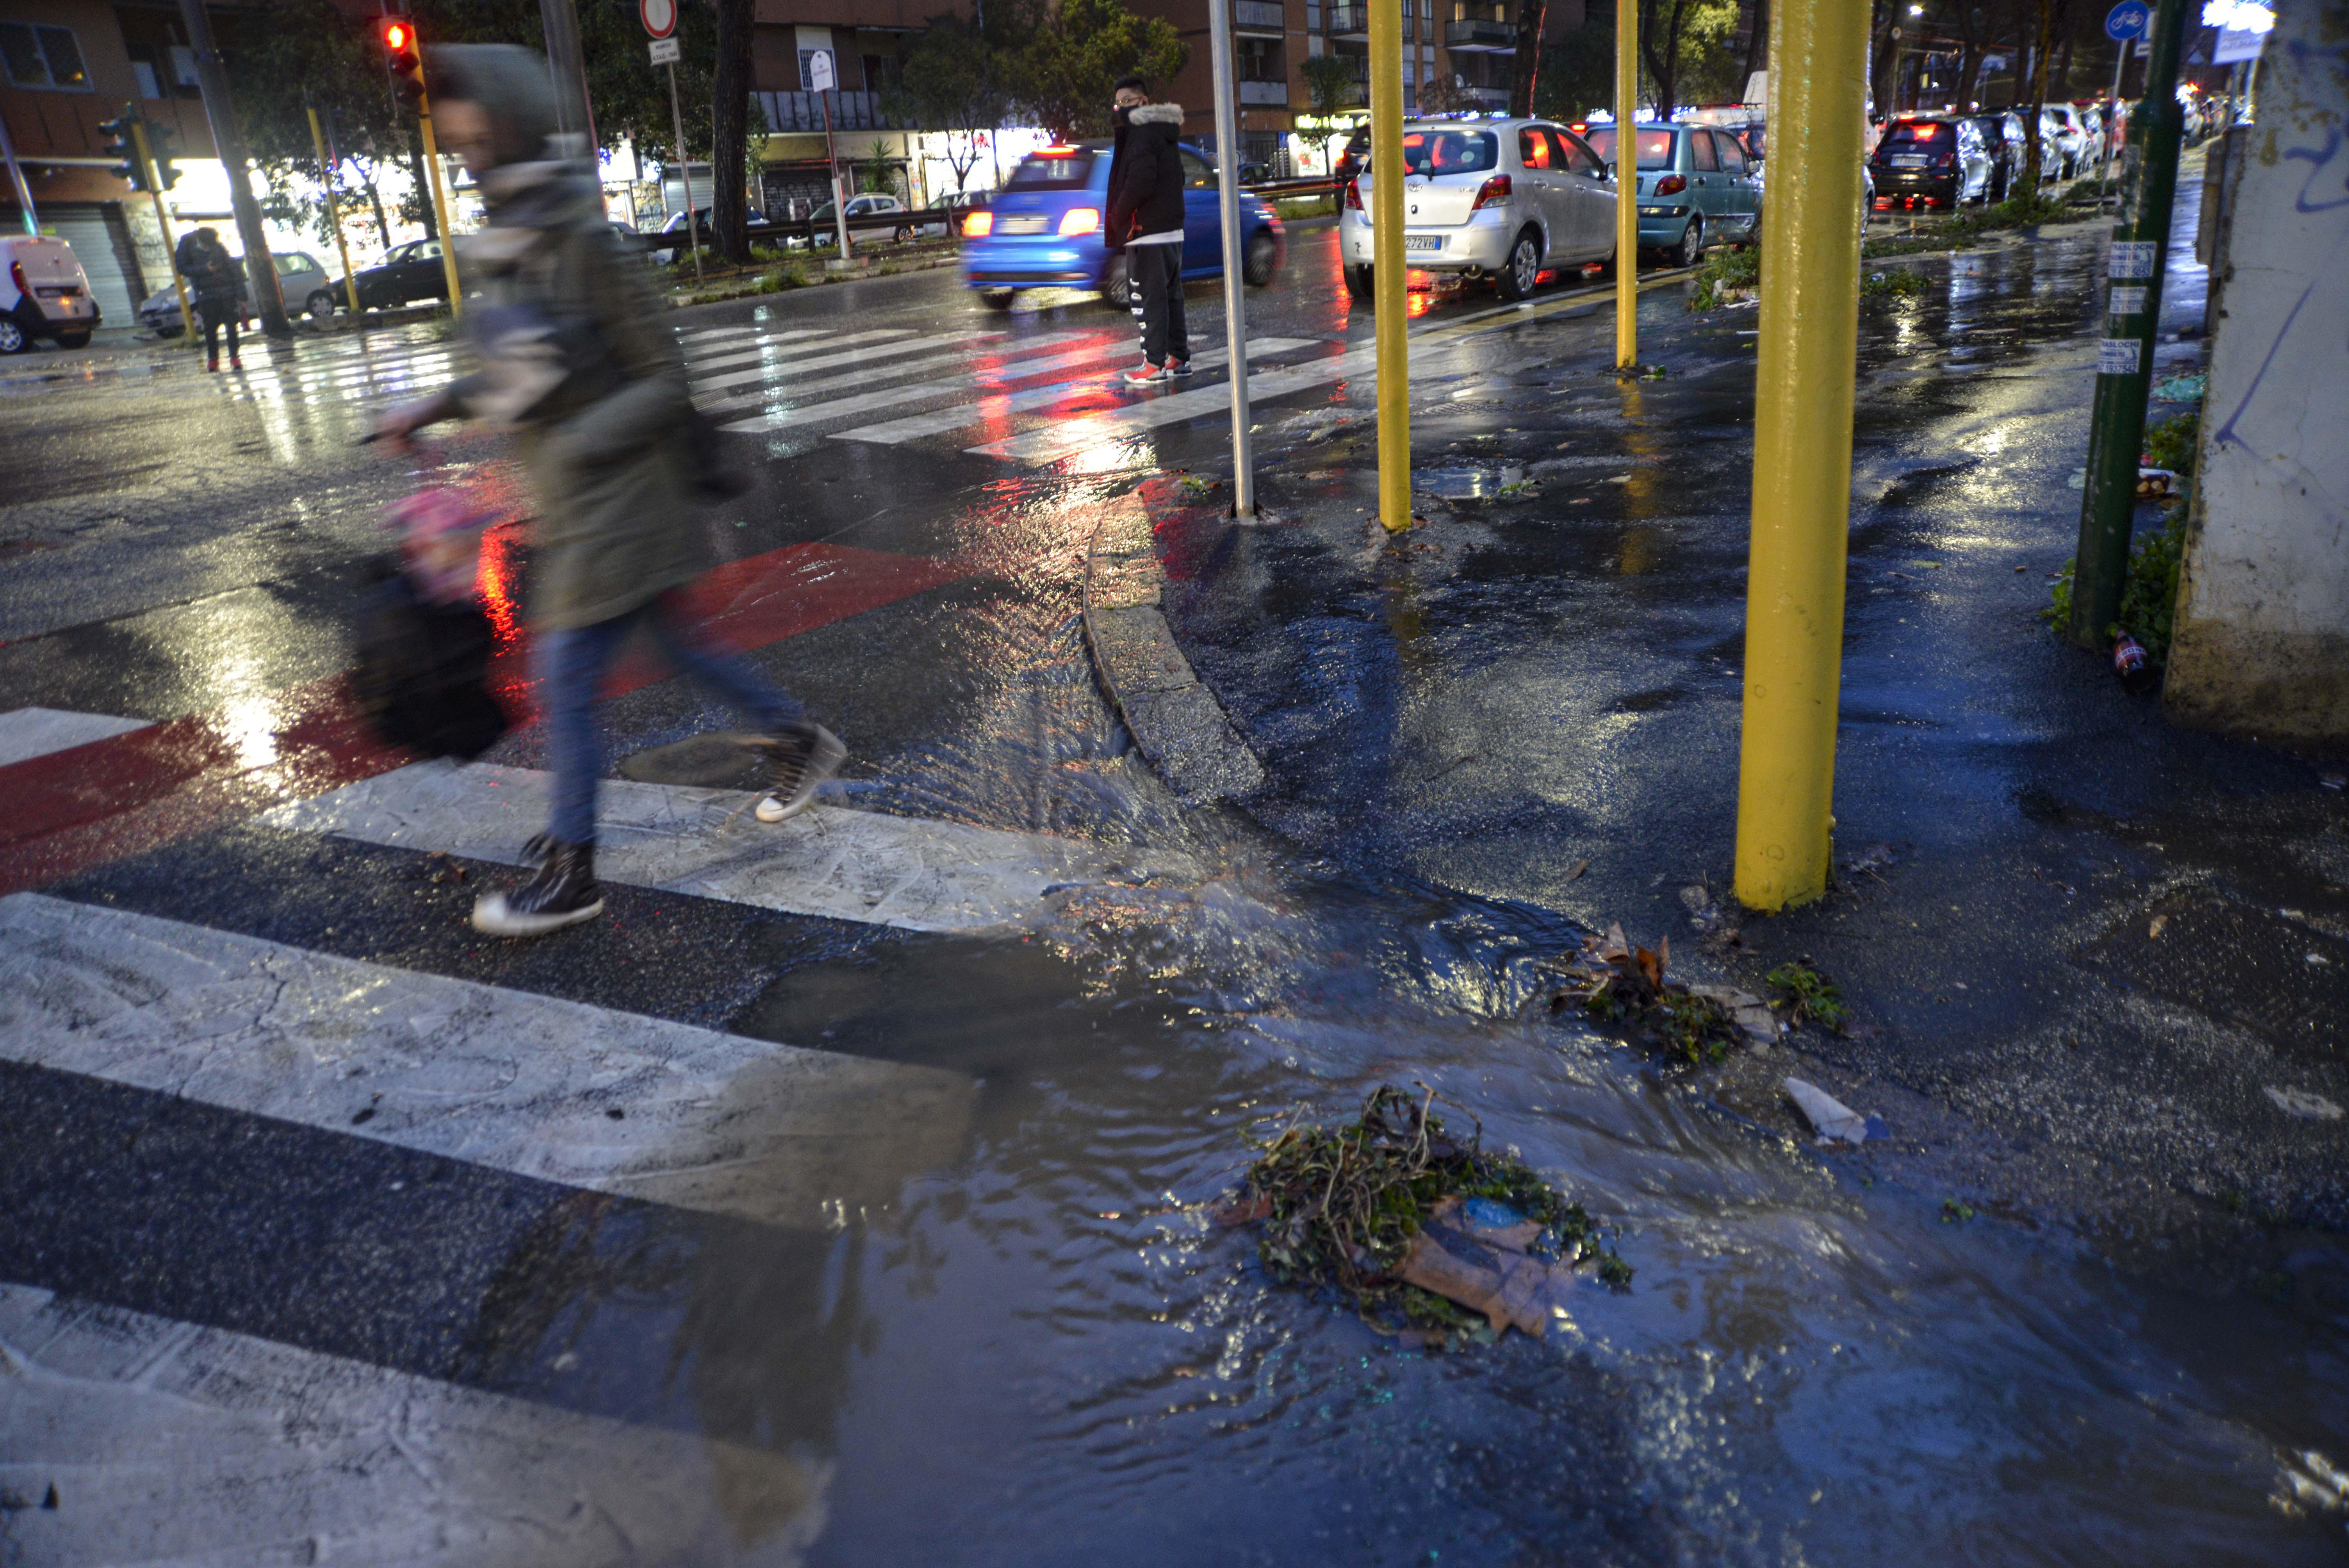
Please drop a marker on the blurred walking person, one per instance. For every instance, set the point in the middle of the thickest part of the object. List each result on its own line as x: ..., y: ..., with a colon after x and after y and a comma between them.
x: 576, y: 356
x: 1145, y: 221
x: 211, y: 275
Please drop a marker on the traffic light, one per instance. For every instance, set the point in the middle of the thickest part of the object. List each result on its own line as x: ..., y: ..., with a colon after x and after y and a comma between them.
x: 158, y: 148
x: 405, y: 56
x: 120, y: 143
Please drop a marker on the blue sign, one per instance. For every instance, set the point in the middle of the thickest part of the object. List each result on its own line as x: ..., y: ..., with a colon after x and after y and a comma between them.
x: 2127, y: 20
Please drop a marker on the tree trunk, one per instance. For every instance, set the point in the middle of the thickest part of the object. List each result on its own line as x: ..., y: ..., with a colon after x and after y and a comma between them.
x: 1526, y: 71
x: 729, y: 86
x: 1757, y: 44
x: 1969, y: 64
x: 423, y: 188
x: 374, y: 201
x: 1884, y: 58
x: 1663, y: 64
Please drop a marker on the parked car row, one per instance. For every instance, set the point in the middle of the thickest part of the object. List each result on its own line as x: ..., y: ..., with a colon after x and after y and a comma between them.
x: 1947, y: 160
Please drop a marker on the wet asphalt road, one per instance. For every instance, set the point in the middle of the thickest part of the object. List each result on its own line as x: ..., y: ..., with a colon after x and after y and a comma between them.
x: 1014, y: 1338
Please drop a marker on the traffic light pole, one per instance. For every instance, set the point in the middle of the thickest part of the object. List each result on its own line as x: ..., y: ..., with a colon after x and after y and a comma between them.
x: 440, y: 196
x: 170, y: 248
x: 327, y: 166
x: 2134, y: 270
x: 227, y: 142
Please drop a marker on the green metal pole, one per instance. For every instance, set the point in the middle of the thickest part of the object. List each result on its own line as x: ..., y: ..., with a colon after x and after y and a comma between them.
x: 2125, y: 355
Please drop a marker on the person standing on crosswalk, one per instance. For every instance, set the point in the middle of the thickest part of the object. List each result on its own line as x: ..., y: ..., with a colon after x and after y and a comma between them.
x: 575, y: 357
x: 1145, y: 220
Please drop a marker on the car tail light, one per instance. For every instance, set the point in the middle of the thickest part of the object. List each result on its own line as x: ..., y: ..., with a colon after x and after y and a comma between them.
x: 1079, y: 220
x: 1670, y: 185
x: 1353, y: 195
x: 1491, y: 192
x: 17, y: 276
x: 978, y: 226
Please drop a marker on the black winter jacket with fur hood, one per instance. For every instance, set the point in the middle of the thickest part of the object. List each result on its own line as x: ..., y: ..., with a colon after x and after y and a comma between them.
x: 1145, y: 175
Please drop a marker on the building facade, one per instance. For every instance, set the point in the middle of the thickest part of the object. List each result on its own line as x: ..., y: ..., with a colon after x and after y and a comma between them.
x: 65, y: 67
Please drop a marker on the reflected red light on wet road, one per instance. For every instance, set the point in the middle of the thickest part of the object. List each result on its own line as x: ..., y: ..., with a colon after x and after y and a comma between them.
x: 496, y: 579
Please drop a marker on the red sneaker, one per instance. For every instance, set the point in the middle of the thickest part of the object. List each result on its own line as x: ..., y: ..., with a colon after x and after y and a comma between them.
x: 1148, y: 374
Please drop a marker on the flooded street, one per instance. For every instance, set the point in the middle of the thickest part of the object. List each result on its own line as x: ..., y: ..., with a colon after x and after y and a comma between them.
x: 328, y: 1226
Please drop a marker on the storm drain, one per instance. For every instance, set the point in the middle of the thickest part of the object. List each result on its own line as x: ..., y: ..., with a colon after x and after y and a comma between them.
x: 2285, y: 980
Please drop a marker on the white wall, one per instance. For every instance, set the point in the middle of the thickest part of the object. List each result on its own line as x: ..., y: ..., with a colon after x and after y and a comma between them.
x: 2261, y: 645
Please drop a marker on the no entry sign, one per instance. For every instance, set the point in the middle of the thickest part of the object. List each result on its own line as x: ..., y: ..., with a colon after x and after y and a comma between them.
x: 660, y: 17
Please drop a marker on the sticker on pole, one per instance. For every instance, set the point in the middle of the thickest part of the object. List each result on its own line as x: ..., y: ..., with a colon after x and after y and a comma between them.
x: 819, y: 71
x: 2129, y: 19
x: 2128, y: 299
x: 664, y: 51
x: 2131, y: 259
x: 660, y: 17
x: 2117, y: 355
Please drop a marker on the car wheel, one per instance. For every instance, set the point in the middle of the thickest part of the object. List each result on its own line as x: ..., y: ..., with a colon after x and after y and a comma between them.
x: 1263, y: 253
x: 1521, y: 271
x: 1690, y: 249
x: 12, y: 337
x: 72, y: 340
x: 997, y: 299
x: 1116, y: 284
x: 1358, y: 283
x: 320, y: 305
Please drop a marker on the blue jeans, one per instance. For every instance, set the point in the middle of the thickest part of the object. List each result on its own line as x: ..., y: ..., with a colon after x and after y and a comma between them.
x: 571, y: 666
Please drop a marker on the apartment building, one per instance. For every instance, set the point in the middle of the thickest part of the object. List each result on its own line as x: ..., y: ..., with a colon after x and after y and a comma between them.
x: 65, y: 67
x: 1456, y: 54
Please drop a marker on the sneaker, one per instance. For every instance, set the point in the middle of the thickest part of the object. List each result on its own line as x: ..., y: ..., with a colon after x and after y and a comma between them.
x: 212, y: 364
x: 799, y: 760
x: 563, y: 893
x: 1178, y: 368
x: 234, y: 363
x: 1148, y: 374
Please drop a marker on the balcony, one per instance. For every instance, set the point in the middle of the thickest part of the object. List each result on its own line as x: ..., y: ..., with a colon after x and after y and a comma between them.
x: 1352, y: 22
x: 1480, y: 38
x: 1259, y: 16
x: 804, y: 111
x: 1264, y: 95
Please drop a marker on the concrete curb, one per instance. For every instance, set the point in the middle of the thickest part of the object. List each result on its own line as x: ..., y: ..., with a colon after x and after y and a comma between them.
x: 749, y: 285
x: 1174, y: 719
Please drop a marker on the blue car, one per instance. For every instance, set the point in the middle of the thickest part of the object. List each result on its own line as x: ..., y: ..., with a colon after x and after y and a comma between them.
x: 1043, y: 229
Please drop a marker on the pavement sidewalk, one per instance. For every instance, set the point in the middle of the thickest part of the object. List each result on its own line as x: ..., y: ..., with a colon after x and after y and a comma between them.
x: 2099, y: 966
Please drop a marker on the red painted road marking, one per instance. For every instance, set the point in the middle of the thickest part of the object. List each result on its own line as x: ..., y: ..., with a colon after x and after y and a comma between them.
x: 69, y: 810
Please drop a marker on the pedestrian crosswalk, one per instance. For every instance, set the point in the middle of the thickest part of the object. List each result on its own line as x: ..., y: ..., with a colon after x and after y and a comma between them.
x: 177, y: 1425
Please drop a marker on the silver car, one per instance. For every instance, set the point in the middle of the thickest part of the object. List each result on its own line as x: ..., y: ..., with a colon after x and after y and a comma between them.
x: 1498, y: 198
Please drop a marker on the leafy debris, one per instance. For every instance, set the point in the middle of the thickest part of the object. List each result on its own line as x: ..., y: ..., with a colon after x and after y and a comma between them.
x: 1614, y: 982
x: 1808, y: 995
x: 1421, y: 1230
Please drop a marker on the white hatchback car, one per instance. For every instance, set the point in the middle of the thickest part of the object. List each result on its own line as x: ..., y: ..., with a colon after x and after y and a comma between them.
x: 1503, y: 198
x: 43, y: 294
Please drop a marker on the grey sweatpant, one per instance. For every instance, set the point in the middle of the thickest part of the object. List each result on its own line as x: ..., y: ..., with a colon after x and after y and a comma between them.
x: 1156, y: 274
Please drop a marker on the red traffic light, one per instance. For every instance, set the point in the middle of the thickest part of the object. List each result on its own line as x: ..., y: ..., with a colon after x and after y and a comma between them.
x: 396, y: 35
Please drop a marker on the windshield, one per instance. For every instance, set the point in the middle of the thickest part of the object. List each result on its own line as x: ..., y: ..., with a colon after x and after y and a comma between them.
x: 1450, y: 151
x: 1655, y: 146
x: 1057, y: 168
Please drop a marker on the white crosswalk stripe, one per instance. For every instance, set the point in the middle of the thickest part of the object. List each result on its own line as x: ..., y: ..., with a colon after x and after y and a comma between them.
x: 517, y: 1082
x: 175, y: 1443
x: 842, y: 864
x: 898, y: 431
x: 1002, y: 362
x: 719, y: 355
x: 780, y: 369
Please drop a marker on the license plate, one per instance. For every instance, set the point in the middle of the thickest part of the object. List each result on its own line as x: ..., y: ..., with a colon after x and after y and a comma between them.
x: 1909, y: 163
x: 1422, y: 241
x: 1023, y: 226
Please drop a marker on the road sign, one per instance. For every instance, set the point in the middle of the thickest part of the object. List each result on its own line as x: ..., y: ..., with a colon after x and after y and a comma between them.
x: 2129, y: 19
x: 819, y: 71
x: 659, y: 16
x: 664, y: 51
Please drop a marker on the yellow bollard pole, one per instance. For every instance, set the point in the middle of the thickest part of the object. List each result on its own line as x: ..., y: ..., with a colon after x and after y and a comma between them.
x: 334, y: 211
x: 1801, y: 451
x: 441, y: 209
x: 170, y: 246
x: 1627, y: 185
x: 1387, y: 265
